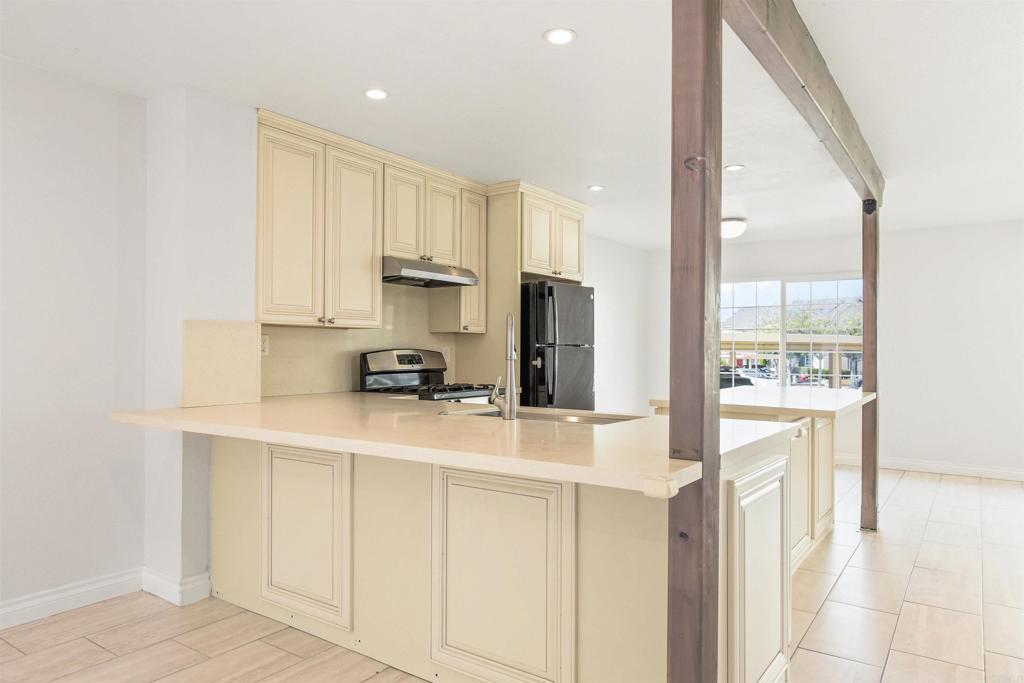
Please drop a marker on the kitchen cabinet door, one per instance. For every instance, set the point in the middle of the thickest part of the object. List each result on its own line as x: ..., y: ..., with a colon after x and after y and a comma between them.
x: 306, y: 532
x: 290, y: 229
x: 354, y: 224
x: 473, y: 304
x: 503, y: 593
x: 443, y: 229
x: 404, y: 213
x: 758, y: 575
x: 538, y: 237
x: 569, y: 243
x: 800, y: 516
x: 824, y: 476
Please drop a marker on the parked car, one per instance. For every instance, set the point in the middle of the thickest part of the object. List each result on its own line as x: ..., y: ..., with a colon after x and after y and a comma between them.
x: 727, y: 380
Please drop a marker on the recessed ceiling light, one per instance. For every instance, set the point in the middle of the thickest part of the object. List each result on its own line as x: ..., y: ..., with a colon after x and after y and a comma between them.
x: 733, y: 227
x: 376, y: 94
x: 560, y: 36
x: 595, y: 188
x: 734, y: 167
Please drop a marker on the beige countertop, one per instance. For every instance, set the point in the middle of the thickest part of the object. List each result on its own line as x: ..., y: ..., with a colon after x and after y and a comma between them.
x: 789, y: 401
x: 632, y: 454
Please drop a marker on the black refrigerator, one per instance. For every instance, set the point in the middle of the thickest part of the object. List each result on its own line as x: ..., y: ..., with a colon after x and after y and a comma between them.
x: 557, y: 345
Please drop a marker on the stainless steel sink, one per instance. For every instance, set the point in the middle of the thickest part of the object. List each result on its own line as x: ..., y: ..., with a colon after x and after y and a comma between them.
x: 585, y: 419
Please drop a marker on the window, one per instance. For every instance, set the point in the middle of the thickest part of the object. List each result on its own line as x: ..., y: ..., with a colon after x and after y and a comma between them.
x: 751, y: 315
x: 816, y: 326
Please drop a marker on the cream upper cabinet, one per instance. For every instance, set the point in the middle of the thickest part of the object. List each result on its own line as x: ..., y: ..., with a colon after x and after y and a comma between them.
x: 569, y: 243
x: 552, y: 240
x: 538, y: 236
x: 290, y: 228
x: 443, y: 239
x: 473, y: 300
x: 404, y: 213
x: 319, y: 223
x: 354, y: 225
x: 464, y: 309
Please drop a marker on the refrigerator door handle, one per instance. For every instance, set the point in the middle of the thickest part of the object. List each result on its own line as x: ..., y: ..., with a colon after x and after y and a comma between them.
x: 553, y: 307
x: 550, y: 371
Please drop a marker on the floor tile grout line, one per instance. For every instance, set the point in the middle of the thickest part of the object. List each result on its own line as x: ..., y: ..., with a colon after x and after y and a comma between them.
x: 99, y: 646
x: 14, y: 646
x: 940, y: 661
x: 917, y: 552
x: 845, y: 659
x: 282, y: 625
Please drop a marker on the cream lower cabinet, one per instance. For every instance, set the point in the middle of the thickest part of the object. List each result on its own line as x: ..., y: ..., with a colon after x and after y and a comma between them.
x: 823, y: 488
x: 319, y: 223
x: 464, y: 309
x: 306, y: 532
x: 758, y: 571
x: 801, y: 527
x: 503, y: 580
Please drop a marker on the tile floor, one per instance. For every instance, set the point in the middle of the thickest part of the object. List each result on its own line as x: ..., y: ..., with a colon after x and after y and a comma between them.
x: 936, y: 596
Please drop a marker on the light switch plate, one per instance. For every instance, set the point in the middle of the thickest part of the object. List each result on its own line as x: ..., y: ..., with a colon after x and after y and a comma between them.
x: 265, y: 344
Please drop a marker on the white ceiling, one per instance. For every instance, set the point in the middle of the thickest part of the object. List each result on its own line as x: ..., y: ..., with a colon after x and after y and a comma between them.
x: 937, y: 86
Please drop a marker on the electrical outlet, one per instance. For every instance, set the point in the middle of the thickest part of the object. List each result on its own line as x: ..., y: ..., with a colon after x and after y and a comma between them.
x: 265, y: 344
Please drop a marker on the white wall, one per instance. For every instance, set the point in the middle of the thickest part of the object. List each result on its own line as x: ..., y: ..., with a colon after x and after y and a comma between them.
x: 618, y: 275
x: 200, y: 264
x: 71, y: 299
x: 951, y: 388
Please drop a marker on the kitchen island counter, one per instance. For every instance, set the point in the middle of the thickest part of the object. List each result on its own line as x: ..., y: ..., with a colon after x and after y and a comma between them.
x: 631, y: 454
x: 792, y: 401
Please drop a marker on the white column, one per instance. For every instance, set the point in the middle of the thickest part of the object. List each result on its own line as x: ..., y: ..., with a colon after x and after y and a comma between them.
x: 200, y: 264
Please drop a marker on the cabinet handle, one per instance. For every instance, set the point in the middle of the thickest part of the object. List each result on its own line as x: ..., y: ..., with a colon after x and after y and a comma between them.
x: 466, y: 328
x: 330, y: 321
x: 321, y: 319
x: 430, y: 258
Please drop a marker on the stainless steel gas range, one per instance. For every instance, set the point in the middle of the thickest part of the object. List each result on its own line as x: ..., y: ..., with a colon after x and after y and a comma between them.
x: 416, y: 372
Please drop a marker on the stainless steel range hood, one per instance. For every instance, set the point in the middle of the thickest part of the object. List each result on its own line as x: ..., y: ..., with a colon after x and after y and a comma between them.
x: 419, y: 273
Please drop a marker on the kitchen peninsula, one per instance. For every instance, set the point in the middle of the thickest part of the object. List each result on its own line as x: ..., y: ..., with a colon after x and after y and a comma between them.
x: 812, y: 467
x: 454, y: 545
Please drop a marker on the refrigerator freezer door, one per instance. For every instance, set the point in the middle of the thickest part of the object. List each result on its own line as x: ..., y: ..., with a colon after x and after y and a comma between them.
x: 569, y: 315
x: 571, y: 383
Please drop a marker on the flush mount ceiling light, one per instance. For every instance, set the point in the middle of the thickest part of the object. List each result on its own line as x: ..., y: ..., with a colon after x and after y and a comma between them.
x: 376, y: 94
x: 595, y: 188
x: 732, y: 168
x: 560, y: 36
x: 733, y: 227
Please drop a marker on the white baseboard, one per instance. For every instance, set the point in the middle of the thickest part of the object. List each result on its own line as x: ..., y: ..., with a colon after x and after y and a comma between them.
x: 937, y: 467
x: 44, y: 603
x: 28, y: 608
x: 185, y: 592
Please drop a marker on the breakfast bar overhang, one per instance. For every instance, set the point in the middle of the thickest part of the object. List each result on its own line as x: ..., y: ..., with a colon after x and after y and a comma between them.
x: 779, y: 39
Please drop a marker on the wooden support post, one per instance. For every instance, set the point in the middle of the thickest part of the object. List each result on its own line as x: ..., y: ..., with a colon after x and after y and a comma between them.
x: 696, y: 272
x: 869, y: 413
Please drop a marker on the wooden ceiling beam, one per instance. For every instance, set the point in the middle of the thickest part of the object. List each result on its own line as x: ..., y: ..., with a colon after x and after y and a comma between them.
x: 777, y: 36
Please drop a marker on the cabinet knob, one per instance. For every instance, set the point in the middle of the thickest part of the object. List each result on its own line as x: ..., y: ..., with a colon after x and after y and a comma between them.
x: 321, y: 319
x: 330, y: 321
x: 430, y: 258
x: 466, y: 328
